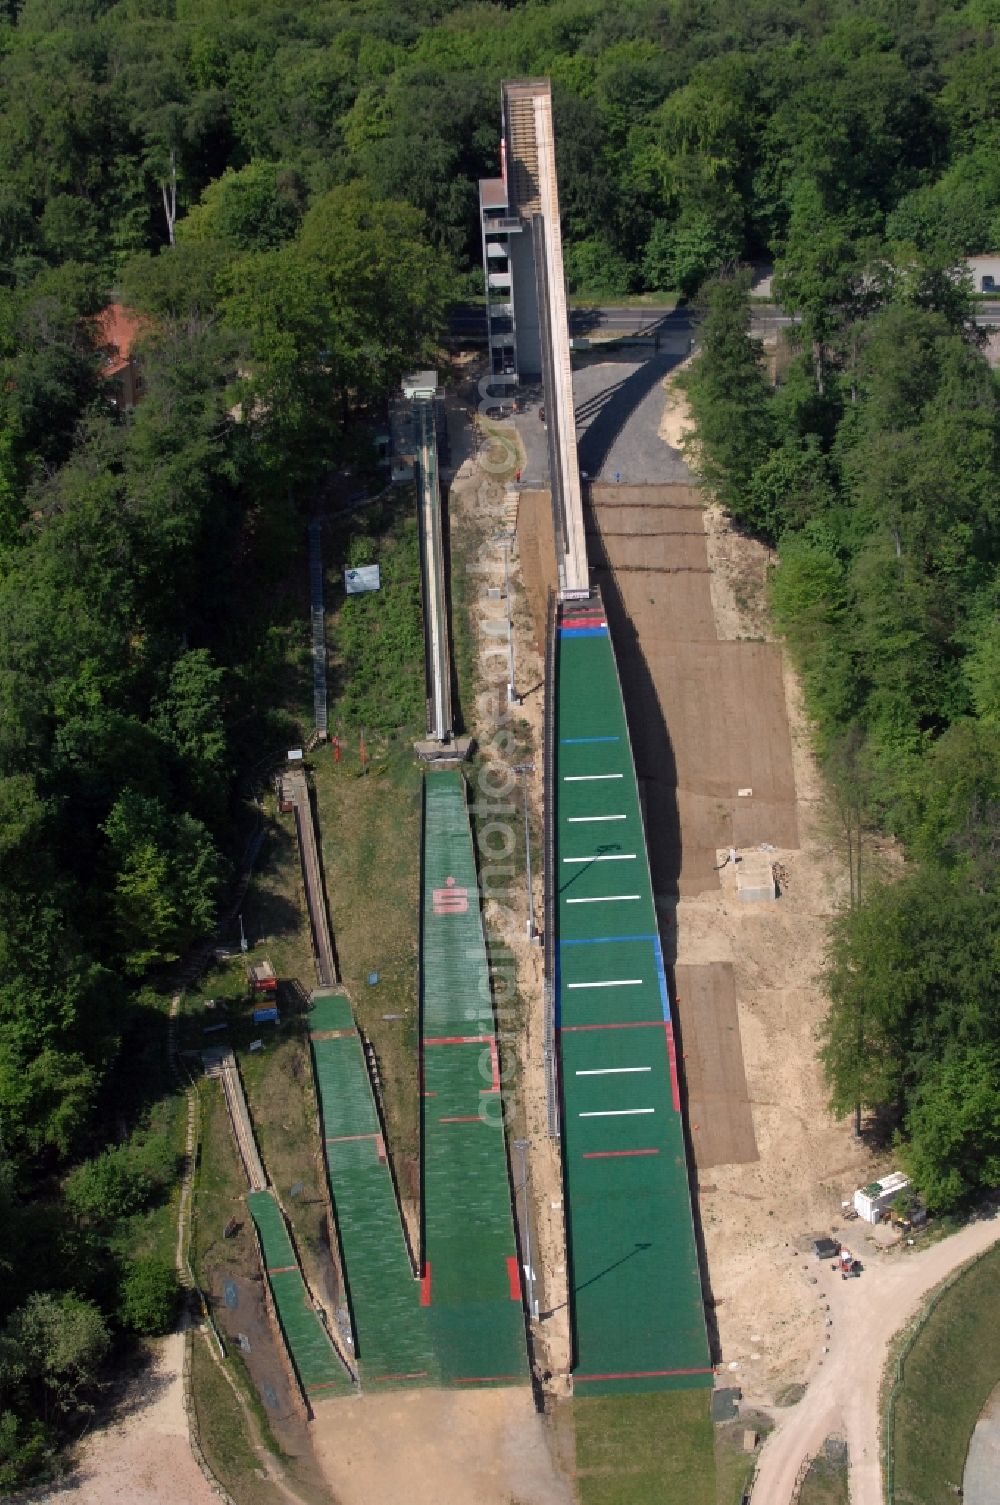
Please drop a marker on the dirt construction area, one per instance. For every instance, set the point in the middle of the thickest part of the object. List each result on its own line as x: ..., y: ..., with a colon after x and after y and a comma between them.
x: 709, y: 725
x: 486, y: 1446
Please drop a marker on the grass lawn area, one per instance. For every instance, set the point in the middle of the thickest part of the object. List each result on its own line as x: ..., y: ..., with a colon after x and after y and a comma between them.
x: 218, y: 1195
x: 826, y: 1482
x: 645, y: 1449
x: 947, y: 1377
x: 370, y: 838
x: 279, y: 1088
x: 733, y: 1467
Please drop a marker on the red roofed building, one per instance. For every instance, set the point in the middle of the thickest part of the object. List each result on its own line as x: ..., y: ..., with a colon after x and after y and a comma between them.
x: 118, y: 328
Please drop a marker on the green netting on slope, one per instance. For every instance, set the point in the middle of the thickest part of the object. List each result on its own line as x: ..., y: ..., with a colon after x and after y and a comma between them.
x: 316, y: 1362
x: 471, y: 1278
x: 637, y: 1313
x: 393, y: 1343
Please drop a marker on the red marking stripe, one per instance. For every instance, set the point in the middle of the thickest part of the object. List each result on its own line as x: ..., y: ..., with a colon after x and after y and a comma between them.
x: 425, y: 1286
x: 483, y: 1379
x: 642, y: 1374
x: 469, y: 1118
x: 348, y: 1138
x: 615, y: 1154
x: 568, y: 1029
x: 514, y: 1277
x: 458, y: 1040
x: 672, y: 1053
x: 322, y: 1385
x: 495, y: 1063
x: 282, y: 1269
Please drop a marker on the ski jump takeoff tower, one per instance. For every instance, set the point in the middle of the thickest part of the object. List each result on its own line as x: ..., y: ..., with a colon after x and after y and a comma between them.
x: 636, y: 1308
x: 526, y: 302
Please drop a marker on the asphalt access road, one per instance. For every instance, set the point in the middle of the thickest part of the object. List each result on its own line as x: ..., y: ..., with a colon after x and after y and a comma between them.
x: 470, y: 319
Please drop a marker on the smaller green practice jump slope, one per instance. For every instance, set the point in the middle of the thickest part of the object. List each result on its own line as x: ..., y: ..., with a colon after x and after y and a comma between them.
x: 390, y: 1329
x: 470, y: 1285
x: 635, y: 1294
x: 316, y: 1362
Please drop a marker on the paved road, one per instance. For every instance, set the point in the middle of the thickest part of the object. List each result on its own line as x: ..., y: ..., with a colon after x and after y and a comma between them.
x: 981, y: 1481
x: 843, y: 1397
x: 470, y: 319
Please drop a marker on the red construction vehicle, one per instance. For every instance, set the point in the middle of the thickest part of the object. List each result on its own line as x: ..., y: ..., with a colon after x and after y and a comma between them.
x: 849, y: 1267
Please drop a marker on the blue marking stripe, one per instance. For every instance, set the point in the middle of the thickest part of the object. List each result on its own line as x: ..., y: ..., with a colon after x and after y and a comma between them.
x: 605, y: 940
x: 661, y: 974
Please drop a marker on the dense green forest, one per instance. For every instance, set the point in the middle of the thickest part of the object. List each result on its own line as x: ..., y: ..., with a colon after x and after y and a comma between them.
x: 287, y: 197
x: 875, y: 467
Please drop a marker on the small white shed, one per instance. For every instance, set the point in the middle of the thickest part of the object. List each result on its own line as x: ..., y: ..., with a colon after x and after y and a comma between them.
x: 874, y: 1201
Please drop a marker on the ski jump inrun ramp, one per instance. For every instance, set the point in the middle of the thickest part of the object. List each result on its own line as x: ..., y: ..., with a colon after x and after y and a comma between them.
x: 638, y: 1321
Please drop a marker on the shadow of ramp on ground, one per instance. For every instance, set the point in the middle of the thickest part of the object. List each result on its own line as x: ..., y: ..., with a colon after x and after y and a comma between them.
x: 603, y: 415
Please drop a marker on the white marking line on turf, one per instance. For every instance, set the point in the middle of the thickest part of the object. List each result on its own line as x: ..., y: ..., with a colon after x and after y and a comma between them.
x: 578, y: 820
x: 615, y: 1112
x: 610, y: 857
x: 589, y: 778
x: 612, y: 1070
x: 615, y: 982
x: 605, y: 899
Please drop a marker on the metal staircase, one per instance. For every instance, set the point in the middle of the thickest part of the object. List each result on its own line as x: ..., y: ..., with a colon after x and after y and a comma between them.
x: 522, y: 153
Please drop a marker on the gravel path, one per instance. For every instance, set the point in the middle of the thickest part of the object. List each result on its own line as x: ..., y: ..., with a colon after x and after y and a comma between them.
x: 844, y: 1396
x: 619, y: 405
x: 143, y: 1456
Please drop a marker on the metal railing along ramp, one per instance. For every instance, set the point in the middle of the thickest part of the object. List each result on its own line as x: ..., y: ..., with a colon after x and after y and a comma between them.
x: 559, y: 391
x: 239, y: 1116
x: 295, y: 790
x: 436, y: 649
x: 318, y: 626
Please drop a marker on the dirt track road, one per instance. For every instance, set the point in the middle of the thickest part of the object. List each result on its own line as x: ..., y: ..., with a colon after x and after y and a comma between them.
x: 843, y: 1396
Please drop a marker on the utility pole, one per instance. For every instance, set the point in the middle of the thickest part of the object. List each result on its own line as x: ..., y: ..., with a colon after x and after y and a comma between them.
x: 524, y: 769
x: 522, y: 1146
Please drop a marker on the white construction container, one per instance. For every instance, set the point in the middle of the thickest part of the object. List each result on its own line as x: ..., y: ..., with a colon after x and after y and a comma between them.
x: 874, y: 1201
